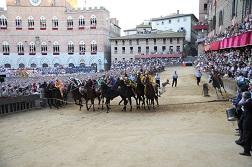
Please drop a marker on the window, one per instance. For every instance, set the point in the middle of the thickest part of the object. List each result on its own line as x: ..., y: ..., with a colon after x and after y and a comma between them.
x: 81, y: 22
x: 115, y: 50
x: 70, y: 48
x: 220, y: 18
x: 3, y: 22
x: 147, y: 50
x: 44, y: 48
x: 93, y: 47
x: 42, y: 23
x: 32, y: 48
x: 171, y: 49
x: 163, y: 48
x: 123, y: 50
x: 170, y: 40
x: 147, y: 42
x: 82, y: 48
x: 162, y: 23
x: 248, y: 6
x: 139, y: 50
x: 6, y: 48
x: 137, y: 41
x: 130, y: 42
x: 155, y: 49
x: 123, y: 42
x: 69, y: 23
x: 178, y: 49
x: 169, y: 21
x: 30, y: 23
x: 184, y: 19
x: 131, y: 50
x: 20, y: 48
x: 18, y: 23
x: 178, y: 41
x: 55, y: 23
x: 93, y: 22
x: 205, y: 6
x: 116, y: 42
x: 155, y: 41
x: 178, y: 20
x: 56, y: 48
x: 164, y: 41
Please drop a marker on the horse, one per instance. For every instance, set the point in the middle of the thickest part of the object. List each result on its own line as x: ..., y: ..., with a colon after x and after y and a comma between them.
x: 91, y: 94
x: 126, y: 92
x: 140, y: 93
x: 109, y: 93
x: 53, y: 96
x: 76, y: 93
x: 150, y: 93
x: 217, y: 83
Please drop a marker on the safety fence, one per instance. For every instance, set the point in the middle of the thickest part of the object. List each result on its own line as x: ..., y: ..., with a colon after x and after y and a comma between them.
x: 9, y: 105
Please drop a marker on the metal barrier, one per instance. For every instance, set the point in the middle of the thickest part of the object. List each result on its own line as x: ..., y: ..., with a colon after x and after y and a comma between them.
x: 9, y: 105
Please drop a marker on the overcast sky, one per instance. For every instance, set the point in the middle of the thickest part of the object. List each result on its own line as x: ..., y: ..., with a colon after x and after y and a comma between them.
x: 133, y: 12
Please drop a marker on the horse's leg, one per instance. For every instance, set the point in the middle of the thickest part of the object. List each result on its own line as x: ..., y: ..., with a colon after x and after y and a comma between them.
x: 147, y: 101
x: 107, y: 104
x: 156, y: 98
x: 152, y: 102
x: 99, y: 102
x: 87, y: 104
x: 80, y: 103
x: 125, y: 104
x: 93, y: 104
x: 102, y: 102
x: 120, y: 102
x: 130, y: 102
x: 143, y: 103
x: 220, y: 92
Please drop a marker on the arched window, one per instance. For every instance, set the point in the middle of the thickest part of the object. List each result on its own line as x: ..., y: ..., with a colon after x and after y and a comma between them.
x: 81, y: 22
x: 30, y: 23
x: 33, y: 65
x: 21, y: 65
x: 55, y: 23
x: 3, y: 22
x: 44, y: 65
x: 32, y: 48
x: 18, y: 23
x: 93, y: 22
x: 6, y: 48
x: 69, y: 23
x: 56, y: 48
x: 93, y: 47
x: 7, y: 65
x: 44, y: 48
x: 70, y: 48
x: 82, y: 48
x: 20, y: 48
x: 42, y: 23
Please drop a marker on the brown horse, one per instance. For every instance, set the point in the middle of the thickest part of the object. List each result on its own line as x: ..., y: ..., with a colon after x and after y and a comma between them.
x: 150, y: 93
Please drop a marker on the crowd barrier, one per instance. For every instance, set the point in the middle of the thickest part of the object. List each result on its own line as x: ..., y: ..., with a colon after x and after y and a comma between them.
x: 9, y: 105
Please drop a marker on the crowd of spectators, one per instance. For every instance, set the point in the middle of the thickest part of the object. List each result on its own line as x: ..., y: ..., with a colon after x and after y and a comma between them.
x: 18, y: 85
x: 233, y: 30
x: 229, y: 64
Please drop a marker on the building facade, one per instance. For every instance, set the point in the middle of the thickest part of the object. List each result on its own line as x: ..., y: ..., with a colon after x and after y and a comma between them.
x: 178, y: 23
x: 51, y: 33
x: 203, y: 10
x: 147, y: 45
x: 224, y: 13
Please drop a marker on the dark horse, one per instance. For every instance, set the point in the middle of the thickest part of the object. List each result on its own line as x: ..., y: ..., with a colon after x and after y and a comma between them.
x: 217, y: 83
x: 53, y: 96
x: 109, y: 93
x: 76, y: 94
x: 140, y: 92
x: 150, y: 94
x: 91, y: 94
x: 126, y: 92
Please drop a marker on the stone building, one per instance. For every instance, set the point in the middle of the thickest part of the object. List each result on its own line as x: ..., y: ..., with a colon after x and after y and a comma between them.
x: 51, y: 33
x: 223, y: 13
x: 147, y: 44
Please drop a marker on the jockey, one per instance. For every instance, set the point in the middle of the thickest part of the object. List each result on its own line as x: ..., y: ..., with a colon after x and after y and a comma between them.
x: 59, y: 85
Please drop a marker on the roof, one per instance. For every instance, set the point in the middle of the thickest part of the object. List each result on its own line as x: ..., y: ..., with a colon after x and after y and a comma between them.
x: 132, y: 29
x: 174, y: 16
x: 162, y: 34
x: 144, y: 26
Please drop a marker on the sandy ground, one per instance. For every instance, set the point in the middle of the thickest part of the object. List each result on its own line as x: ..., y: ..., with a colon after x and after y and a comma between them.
x: 178, y: 134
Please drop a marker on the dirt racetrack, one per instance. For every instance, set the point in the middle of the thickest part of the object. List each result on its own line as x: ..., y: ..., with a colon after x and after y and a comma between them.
x: 179, y: 134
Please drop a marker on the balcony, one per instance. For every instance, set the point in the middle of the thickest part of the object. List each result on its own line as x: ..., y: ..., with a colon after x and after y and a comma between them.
x: 200, y: 27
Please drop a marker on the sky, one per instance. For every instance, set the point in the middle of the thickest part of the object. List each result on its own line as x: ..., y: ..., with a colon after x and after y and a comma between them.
x: 133, y: 12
